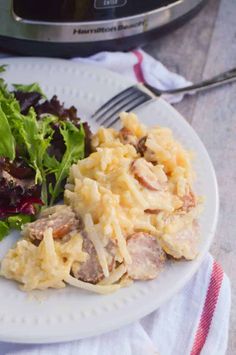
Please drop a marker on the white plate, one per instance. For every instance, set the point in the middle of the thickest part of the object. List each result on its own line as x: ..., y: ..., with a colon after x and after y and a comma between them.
x: 70, y: 313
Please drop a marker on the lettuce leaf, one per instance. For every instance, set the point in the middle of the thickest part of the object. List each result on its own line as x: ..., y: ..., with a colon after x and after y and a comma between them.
x: 37, y: 136
x: 3, y: 68
x: 16, y: 222
x: 7, y: 141
x: 33, y: 134
x: 4, y: 230
x: 74, y: 142
x: 13, y: 222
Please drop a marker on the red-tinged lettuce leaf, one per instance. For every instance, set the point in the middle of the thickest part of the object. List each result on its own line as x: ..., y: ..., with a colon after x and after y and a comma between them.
x: 17, y: 168
x: 30, y: 88
x: 56, y: 108
x: 24, y: 206
x: 88, y: 139
x: 18, y: 195
x: 27, y: 100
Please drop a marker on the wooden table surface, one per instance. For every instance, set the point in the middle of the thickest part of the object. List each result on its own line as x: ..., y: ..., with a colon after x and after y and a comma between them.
x: 204, y: 47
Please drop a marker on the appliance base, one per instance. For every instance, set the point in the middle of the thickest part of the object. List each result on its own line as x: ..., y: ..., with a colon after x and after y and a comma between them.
x: 68, y: 50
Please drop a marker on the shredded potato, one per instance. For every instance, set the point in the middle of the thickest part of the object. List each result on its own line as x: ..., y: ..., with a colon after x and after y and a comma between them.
x: 114, y: 276
x: 113, y: 196
x: 103, y: 289
x: 91, y: 231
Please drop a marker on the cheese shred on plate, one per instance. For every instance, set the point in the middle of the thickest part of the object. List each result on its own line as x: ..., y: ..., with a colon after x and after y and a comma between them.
x: 126, y: 206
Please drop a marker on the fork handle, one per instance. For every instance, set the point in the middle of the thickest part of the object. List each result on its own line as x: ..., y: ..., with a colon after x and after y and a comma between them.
x: 217, y: 80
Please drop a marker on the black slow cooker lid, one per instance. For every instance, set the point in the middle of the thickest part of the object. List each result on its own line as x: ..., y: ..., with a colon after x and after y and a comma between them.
x: 83, y: 10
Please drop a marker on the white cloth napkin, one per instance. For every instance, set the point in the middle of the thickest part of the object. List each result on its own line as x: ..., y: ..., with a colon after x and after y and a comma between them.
x: 141, y: 67
x: 193, y: 322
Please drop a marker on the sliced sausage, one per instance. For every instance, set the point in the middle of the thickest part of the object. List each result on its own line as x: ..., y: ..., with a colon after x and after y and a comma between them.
x: 141, y: 147
x: 62, y: 222
x: 145, y: 151
x: 189, y: 201
x: 91, y: 270
x: 147, y: 256
x: 127, y: 137
x: 143, y: 172
x: 184, y: 243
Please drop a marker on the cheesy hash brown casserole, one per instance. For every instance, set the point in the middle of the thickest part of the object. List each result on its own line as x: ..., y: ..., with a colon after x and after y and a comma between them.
x: 126, y: 207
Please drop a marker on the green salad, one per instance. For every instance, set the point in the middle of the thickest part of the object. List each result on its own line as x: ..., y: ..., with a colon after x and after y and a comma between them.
x: 39, y: 141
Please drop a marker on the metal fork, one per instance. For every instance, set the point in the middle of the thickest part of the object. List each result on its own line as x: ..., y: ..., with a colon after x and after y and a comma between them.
x: 136, y: 95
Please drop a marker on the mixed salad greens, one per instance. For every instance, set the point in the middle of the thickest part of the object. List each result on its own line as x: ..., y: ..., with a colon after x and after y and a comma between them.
x: 39, y: 140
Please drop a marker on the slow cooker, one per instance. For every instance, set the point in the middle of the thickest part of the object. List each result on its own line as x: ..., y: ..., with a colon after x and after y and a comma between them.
x: 82, y: 27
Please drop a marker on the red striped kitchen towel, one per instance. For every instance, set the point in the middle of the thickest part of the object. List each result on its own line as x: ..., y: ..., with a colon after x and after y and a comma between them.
x: 141, y: 67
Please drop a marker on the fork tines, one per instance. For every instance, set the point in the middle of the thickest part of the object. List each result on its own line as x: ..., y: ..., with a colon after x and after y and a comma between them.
x: 108, y: 114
